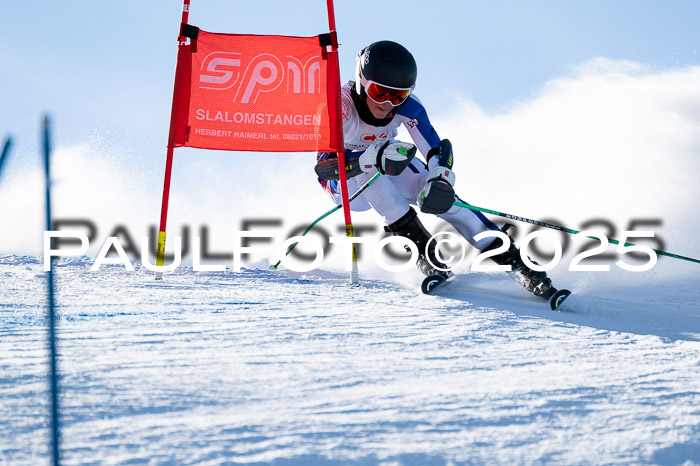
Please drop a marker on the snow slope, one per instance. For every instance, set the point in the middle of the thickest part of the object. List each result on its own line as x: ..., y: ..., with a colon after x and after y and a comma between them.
x: 288, y: 368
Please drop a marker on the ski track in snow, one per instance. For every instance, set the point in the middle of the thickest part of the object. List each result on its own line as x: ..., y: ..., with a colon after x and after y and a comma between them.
x: 285, y: 368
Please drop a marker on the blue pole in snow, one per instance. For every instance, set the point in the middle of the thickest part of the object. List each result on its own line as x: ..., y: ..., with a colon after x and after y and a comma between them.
x: 5, y: 150
x: 53, y: 378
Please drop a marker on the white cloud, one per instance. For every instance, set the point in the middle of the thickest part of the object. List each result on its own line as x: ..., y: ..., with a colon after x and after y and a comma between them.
x: 613, y: 139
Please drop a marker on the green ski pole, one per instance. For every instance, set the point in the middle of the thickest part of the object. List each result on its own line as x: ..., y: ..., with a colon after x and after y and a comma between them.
x: 338, y: 207
x: 560, y: 228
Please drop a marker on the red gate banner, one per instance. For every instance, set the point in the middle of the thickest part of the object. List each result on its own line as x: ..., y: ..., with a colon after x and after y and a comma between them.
x: 254, y: 93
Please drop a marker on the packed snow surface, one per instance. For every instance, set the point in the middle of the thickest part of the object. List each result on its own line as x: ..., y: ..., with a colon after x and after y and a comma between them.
x: 288, y: 368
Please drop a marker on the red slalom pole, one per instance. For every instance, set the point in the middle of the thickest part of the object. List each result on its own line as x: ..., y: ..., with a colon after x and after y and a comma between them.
x: 160, y: 251
x: 339, y: 146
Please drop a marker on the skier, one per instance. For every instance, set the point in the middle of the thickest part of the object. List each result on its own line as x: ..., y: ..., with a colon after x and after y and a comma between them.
x: 373, y: 107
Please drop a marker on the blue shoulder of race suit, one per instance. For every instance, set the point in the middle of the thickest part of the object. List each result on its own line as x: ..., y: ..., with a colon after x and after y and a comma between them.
x: 413, y: 110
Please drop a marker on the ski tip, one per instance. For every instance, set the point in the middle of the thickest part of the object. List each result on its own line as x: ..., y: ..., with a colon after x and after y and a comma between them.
x: 431, y: 283
x: 558, y: 298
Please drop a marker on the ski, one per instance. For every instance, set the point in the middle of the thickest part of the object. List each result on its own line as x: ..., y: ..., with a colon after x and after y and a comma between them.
x: 432, y: 283
x: 557, y: 298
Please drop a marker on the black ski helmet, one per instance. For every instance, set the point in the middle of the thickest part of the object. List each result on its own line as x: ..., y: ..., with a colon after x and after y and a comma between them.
x: 386, y: 63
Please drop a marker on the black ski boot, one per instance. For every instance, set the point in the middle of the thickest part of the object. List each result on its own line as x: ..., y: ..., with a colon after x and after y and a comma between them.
x: 533, y: 281
x: 409, y: 226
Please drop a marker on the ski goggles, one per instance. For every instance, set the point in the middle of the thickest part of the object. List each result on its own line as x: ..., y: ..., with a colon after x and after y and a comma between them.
x: 381, y: 94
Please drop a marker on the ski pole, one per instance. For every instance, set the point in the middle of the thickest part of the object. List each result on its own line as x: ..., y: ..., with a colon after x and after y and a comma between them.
x: 560, y: 228
x: 338, y: 207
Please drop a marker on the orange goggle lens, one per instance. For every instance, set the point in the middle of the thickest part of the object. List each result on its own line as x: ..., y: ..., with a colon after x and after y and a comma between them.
x: 381, y: 94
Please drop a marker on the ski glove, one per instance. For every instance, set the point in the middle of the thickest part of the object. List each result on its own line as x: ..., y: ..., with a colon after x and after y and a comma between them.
x: 438, y: 194
x: 390, y: 158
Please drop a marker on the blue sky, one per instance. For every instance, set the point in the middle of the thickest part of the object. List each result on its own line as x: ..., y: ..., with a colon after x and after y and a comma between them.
x: 104, y: 69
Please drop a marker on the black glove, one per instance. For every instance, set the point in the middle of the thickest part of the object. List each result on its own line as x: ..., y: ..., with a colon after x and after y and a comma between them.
x: 438, y: 194
x: 327, y: 169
